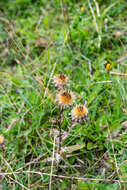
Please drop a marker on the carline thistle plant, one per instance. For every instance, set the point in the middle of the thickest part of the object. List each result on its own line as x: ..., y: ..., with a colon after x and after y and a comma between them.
x: 60, y: 81
x: 79, y: 113
x: 64, y: 99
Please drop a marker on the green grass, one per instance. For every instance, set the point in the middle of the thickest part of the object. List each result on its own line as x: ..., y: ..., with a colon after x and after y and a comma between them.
x: 37, y: 41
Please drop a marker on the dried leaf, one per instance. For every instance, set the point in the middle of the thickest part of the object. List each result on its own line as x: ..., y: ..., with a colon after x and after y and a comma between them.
x: 14, y: 120
x: 124, y: 125
x: 42, y: 42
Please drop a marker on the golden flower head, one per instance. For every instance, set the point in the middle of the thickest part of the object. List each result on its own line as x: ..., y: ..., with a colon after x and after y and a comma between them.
x: 125, y: 74
x: 82, y: 9
x: 65, y: 99
x: 60, y: 81
x: 1, y: 139
x: 79, y: 113
x: 108, y: 66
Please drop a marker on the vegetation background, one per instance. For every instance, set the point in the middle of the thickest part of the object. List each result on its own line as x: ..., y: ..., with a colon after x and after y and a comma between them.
x: 39, y: 39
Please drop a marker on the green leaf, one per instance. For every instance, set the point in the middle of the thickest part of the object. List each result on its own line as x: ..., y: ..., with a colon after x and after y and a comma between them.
x: 91, y: 145
x: 94, y: 94
x: 73, y: 148
x: 15, y: 80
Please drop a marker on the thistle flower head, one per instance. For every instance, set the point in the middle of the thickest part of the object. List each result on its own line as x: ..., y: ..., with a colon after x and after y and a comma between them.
x: 79, y: 113
x: 65, y: 99
x: 1, y: 139
x: 60, y: 81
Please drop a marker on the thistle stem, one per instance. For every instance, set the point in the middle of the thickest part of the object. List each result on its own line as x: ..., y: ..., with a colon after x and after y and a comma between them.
x: 60, y: 128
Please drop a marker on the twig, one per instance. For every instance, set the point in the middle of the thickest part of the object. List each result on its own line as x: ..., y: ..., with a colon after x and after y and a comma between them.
x: 61, y: 5
x: 14, y: 120
x: 114, y: 73
x: 4, y: 20
x: 50, y: 79
x: 39, y: 22
x: 50, y: 184
x: 67, y: 177
x: 123, y: 64
x: 29, y: 173
x: 8, y: 165
x: 121, y: 59
x: 14, y: 174
x: 60, y: 130
x: 116, y: 165
x: 24, y: 187
x: 17, y: 46
x: 94, y: 17
x: 32, y: 162
x: 108, y: 81
x: 97, y: 8
x: 90, y: 68
x: 95, y: 22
